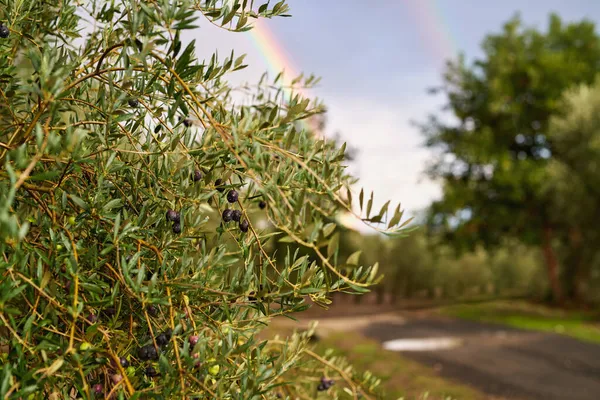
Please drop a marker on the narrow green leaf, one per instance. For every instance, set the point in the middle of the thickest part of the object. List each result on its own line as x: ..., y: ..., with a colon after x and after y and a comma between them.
x: 79, y: 202
x: 370, y: 205
x: 396, y: 218
x: 349, y: 198
x: 354, y: 258
x: 114, y: 203
x: 384, y: 209
x: 361, y: 197
x: 328, y: 229
x: 333, y: 245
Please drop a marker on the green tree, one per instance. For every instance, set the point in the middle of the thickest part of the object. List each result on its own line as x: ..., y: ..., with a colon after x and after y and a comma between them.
x: 574, y: 184
x: 132, y: 265
x: 493, y: 155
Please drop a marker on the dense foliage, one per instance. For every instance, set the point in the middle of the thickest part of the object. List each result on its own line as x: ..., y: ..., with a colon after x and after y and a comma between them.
x: 133, y: 264
x: 495, y: 155
x: 422, y: 269
x: 574, y: 185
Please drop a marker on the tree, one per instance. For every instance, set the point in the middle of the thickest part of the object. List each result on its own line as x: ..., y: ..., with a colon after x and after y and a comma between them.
x: 131, y: 264
x: 574, y: 185
x: 493, y: 157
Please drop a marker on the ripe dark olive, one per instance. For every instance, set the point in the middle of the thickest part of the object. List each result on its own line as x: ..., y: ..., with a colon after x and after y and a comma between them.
x: 157, y: 128
x: 236, y: 215
x: 173, y: 215
x: 148, y: 353
x: 262, y: 205
x: 133, y: 103
x: 151, y: 371
x: 227, y: 215
x: 197, y: 175
x: 244, y: 225
x: 4, y: 32
x: 176, y: 228
x: 143, y: 353
x: 152, y: 310
x: 110, y: 312
x: 187, y: 123
x: 218, y: 185
x: 162, y: 340
x: 232, y: 196
x: 325, y: 383
x: 177, y: 218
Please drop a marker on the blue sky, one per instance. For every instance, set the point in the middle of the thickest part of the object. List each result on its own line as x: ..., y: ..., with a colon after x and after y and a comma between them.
x: 376, y: 59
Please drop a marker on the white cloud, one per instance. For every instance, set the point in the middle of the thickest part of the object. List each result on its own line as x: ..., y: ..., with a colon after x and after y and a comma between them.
x: 390, y: 159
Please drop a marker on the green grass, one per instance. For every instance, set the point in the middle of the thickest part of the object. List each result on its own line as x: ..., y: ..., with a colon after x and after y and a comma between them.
x: 578, y: 324
x: 401, y: 378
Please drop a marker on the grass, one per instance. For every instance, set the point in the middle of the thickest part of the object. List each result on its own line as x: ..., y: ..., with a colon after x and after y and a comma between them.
x: 519, y: 314
x: 401, y: 378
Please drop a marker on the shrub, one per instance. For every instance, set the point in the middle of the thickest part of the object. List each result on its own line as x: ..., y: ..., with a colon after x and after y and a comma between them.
x: 121, y: 152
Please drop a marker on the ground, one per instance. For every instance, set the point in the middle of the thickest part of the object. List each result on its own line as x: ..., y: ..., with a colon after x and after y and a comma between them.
x: 402, y: 377
x: 491, y: 360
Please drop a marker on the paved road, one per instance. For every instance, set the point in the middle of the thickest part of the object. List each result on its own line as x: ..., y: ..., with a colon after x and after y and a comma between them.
x: 502, y: 361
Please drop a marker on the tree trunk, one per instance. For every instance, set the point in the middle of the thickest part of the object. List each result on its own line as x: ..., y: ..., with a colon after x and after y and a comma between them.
x: 552, y: 266
x: 397, y: 287
x: 380, y: 294
x: 576, y: 271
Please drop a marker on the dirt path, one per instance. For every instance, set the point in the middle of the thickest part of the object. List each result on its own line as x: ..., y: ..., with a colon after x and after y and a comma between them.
x: 502, y: 361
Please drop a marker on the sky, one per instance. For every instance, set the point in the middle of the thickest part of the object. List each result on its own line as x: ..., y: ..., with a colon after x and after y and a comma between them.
x: 376, y: 60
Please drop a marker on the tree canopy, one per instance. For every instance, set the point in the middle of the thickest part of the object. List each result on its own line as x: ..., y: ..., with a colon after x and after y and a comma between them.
x: 493, y: 156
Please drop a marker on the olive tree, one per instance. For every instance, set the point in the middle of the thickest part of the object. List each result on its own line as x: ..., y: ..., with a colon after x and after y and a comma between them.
x: 132, y: 264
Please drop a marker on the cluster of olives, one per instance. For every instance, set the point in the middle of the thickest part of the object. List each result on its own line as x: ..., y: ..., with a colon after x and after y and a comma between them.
x: 145, y: 353
x: 234, y: 215
x: 116, y: 377
x: 175, y: 217
x: 325, y: 384
x: 228, y: 214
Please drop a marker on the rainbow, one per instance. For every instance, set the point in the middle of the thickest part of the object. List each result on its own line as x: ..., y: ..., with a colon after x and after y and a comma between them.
x: 428, y: 15
x: 278, y: 60
x: 429, y: 20
x: 275, y: 56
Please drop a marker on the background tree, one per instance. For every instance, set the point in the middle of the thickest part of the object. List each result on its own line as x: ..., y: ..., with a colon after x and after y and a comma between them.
x: 131, y: 262
x: 493, y: 156
x: 574, y: 182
